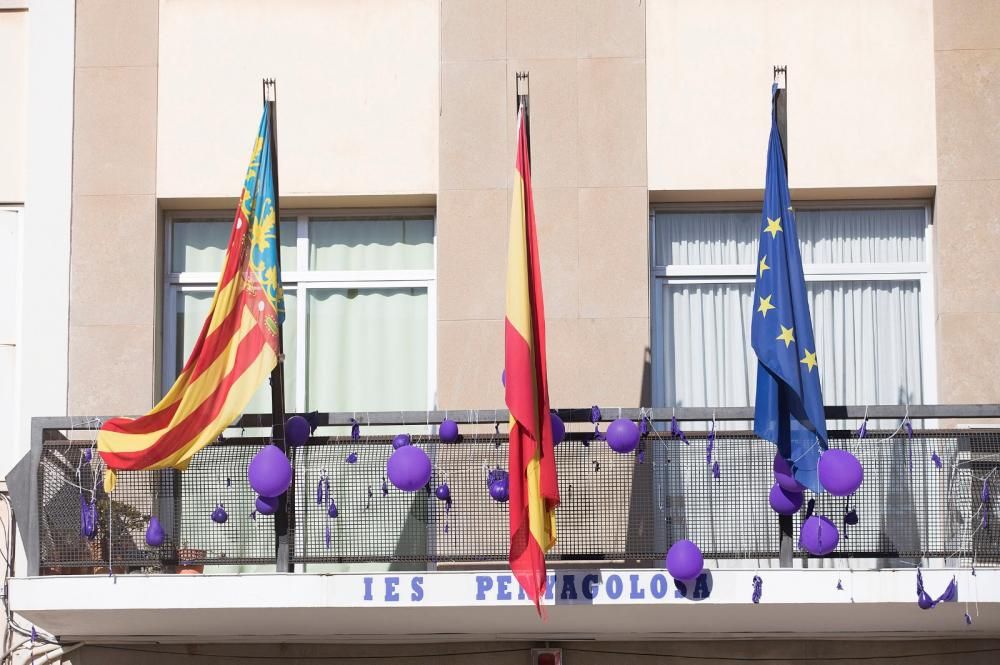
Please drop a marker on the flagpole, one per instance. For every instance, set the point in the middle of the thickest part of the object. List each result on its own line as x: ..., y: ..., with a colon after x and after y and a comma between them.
x: 281, y: 516
x: 522, y: 98
x: 785, y: 527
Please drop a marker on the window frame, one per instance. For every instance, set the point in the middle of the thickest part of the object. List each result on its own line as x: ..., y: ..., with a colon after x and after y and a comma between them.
x: 300, y: 280
x: 661, y: 276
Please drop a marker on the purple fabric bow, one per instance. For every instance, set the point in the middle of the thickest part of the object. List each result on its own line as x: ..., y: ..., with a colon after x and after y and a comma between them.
x: 758, y: 589
x: 924, y: 599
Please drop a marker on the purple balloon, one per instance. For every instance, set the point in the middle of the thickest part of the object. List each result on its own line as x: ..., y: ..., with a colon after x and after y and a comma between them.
x: 332, y: 510
x: 448, y: 431
x: 409, y: 468
x: 819, y: 536
x: 219, y: 515
x: 784, y: 502
x: 155, y: 535
x: 270, y: 472
x: 297, y: 431
x: 558, y: 429
x: 400, y: 440
x: 622, y: 435
x: 443, y: 492
x: 266, y: 505
x: 500, y: 489
x: 684, y: 560
x: 840, y: 472
x: 783, y: 474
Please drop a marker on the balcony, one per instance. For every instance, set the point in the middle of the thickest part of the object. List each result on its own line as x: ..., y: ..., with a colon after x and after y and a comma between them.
x: 619, y: 514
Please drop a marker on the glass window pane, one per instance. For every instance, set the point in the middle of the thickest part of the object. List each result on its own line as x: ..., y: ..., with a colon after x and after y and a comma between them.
x: 370, y: 244
x: 878, y: 235
x: 192, y: 310
x: 199, y: 245
x: 367, y: 349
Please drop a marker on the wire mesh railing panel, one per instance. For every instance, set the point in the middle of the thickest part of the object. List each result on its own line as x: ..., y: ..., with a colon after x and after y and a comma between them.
x: 81, y: 527
x: 217, y: 478
x: 922, y: 497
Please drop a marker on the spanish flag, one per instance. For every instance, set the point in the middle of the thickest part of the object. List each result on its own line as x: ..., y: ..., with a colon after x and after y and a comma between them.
x: 534, y: 493
x: 237, y: 347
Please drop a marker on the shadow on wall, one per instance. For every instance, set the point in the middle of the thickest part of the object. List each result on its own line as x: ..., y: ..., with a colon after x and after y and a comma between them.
x: 641, y: 519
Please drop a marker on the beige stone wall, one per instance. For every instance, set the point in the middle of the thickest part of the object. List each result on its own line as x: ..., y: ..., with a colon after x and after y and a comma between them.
x: 588, y: 131
x: 357, y: 95
x: 115, y: 242
x: 860, y: 93
x: 967, y: 206
x: 14, y: 84
x: 716, y: 652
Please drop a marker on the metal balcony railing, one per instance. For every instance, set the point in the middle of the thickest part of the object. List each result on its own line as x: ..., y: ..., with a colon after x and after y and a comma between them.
x: 624, y: 508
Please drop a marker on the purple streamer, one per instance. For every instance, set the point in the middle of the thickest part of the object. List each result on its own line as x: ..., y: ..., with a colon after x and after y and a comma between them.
x: 677, y: 432
x: 968, y: 619
x: 715, y: 470
x: 643, y: 426
x: 641, y: 455
x: 924, y: 599
x: 327, y: 536
x: 862, y: 431
x: 355, y: 429
x: 840, y: 585
x: 758, y: 589
x: 595, y: 414
x: 385, y: 488
x: 319, y: 492
x: 936, y: 459
x: 88, y: 454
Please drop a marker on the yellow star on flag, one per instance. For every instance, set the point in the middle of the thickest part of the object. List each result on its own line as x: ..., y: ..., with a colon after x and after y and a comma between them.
x: 786, y: 335
x: 763, y: 266
x: 809, y: 360
x: 765, y: 306
x: 773, y: 226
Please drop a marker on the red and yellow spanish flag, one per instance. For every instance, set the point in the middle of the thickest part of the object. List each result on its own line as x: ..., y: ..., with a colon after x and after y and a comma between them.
x: 534, y: 492
x: 237, y: 347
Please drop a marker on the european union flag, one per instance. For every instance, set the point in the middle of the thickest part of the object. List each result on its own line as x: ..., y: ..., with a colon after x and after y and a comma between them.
x: 789, y: 409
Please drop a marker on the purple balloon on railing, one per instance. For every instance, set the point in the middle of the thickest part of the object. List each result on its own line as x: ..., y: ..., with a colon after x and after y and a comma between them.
x: 297, y: 430
x: 622, y: 435
x: 443, y: 492
x: 819, y: 536
x: 270, y: 472
x: 219, y: 515
x: 558, y: 428
x: 448, y: 431
x: 400, y: 440
x: 784, y: 502
x: 684, y: 560
x: 840, y: 472
x: 409, y: 468
x: 784, y: 476
x: 266, y: 505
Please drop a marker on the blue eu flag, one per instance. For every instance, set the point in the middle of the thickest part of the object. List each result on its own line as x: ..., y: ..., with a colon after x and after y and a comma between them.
x: 789, y: 408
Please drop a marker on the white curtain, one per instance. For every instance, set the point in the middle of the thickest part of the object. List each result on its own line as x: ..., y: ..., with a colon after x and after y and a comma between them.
x: 367, y: 244
x: 825, y: 236
x: 867, y: 337
x: 366, y: 349
x: 199, y: 245
x: 867, y: 331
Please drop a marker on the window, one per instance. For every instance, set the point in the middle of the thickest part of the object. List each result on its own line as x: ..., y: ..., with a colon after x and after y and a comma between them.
x: 359, y: 330
x: 870, y: 290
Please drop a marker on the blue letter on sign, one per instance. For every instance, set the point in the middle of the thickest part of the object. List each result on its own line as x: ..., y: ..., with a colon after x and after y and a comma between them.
x: 483, y: 584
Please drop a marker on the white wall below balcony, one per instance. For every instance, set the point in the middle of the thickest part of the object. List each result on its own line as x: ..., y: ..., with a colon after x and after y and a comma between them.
x: 443, y: 607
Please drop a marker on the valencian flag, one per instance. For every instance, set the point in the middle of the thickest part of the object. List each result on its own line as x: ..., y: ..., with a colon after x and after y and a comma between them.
x: 534, y: 493
x: 789, y: 407
x: 234, y: 353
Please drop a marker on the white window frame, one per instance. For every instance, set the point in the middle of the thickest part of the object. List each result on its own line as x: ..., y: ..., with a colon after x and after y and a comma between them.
x: 920, y: 271
x: 300, y: 280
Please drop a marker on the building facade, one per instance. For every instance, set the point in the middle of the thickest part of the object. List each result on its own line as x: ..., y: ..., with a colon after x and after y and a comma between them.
x: 128, y: 125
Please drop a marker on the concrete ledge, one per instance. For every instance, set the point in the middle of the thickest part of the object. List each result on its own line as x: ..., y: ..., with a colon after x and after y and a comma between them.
x: 607, y: 604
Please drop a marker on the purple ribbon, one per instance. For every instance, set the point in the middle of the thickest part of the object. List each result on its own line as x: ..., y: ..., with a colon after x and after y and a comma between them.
x: 924, y: 599
x: 758, y: 589
x: 936, y: 459
x: 676, y: 431
x: 355, y: 429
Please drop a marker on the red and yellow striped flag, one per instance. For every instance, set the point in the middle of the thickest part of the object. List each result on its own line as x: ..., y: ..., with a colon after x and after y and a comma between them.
x: 237, y: 347
x: 534, y: 492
